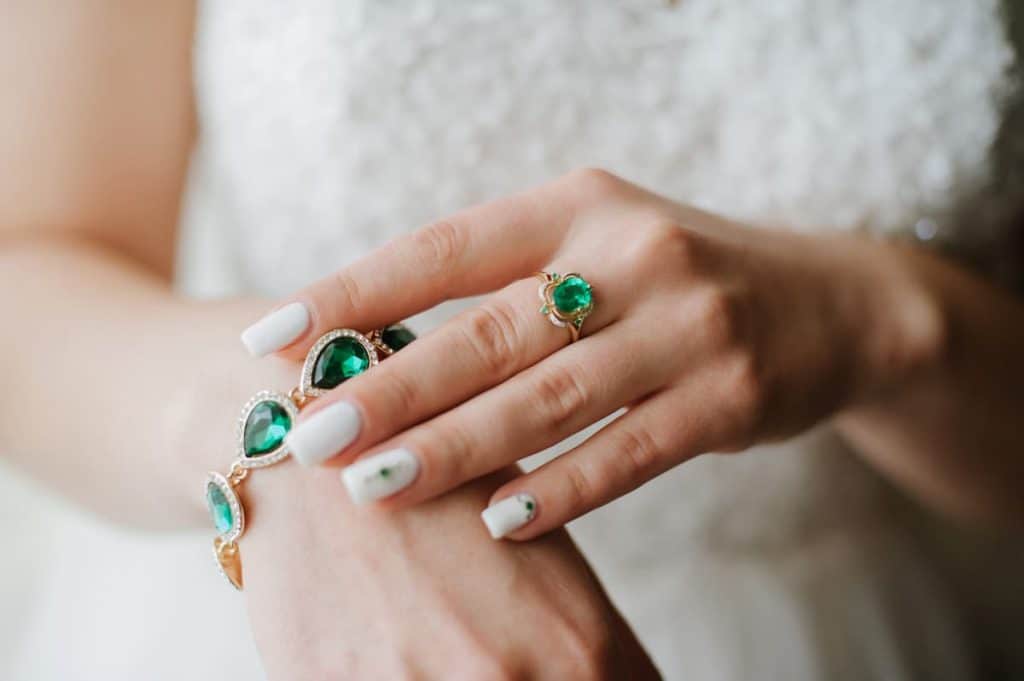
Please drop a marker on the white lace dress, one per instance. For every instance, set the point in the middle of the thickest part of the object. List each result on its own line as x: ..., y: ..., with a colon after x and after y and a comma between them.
x: 328, y: 127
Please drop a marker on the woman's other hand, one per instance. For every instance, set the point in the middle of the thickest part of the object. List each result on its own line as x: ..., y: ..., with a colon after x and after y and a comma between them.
x: 341, y: 592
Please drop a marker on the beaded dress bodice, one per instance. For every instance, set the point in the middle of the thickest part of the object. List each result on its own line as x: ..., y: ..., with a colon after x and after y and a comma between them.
x: 327, y: 127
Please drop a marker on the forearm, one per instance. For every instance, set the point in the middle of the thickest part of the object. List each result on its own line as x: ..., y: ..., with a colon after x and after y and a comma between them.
x: 950, y: 428
x: 117, y: 392
x: 95, y: 138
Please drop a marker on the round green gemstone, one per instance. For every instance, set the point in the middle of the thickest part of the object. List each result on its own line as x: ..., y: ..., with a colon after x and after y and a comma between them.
x: 342, y: 359
x: 220, y: 508
x: 265, y: 428
x: 571, y: 295
x: 397, y: 337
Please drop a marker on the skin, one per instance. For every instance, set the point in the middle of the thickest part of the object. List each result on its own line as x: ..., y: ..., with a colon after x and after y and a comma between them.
x: 714, y: 335
x: 120, y: 395
x: 87, y: 243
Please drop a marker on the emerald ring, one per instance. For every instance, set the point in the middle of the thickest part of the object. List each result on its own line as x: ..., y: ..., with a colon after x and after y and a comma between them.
x: 567, y: 299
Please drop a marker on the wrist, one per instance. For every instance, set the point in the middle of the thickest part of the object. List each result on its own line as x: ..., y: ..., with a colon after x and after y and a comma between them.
x: 198, y: 418
x: 895, y: 317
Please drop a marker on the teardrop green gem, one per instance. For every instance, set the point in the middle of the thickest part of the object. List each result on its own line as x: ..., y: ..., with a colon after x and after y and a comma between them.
x: 265, y: 428
x: 340, y: 360
x: 220, y: 508
x: 397, y: 337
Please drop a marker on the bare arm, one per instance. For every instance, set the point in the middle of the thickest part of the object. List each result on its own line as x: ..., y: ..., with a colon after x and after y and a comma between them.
x: 96, y: 122
x: 95, y: 129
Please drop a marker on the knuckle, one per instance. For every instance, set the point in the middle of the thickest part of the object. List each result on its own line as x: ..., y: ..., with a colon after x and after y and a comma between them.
x: 666, y: 242
x: 560, y: 395
x: 589, y: 651
x: 747, y: 392
x: 479, y: 659
x: 447, y: 450
x: 492, y: 333
x: 442, y: 244
x: 402, y: 393
x: 723, y: 316
x: 488, y: 667
x: 348, y: 289
x: 580, y: 488
x: 594, y: 181
x: 593, y: 664
x: 640, y: 453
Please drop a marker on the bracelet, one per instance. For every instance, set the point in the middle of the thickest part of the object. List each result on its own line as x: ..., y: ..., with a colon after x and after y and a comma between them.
x: 268, y: 416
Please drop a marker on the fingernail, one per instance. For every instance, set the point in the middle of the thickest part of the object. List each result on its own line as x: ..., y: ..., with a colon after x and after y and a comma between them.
x: 324, y: 434
x: 277, y: 330
x: 509, y: 514
x: 380, y: 475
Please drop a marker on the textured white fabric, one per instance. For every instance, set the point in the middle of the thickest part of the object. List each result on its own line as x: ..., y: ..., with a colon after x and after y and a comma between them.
x: 368, y: 118
x: 328, y: 127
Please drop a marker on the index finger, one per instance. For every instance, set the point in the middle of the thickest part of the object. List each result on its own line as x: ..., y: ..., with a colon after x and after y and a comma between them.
x: 475, y: 251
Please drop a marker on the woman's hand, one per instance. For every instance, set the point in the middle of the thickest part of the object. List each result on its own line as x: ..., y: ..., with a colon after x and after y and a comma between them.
x: 340, y: 592
x: 713, y: 335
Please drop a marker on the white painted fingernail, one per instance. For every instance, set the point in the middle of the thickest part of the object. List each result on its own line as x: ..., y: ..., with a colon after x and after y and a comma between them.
x: 509, y: 514
x: 380, y: 475
x: 277, y: 330
x: 324, y: 434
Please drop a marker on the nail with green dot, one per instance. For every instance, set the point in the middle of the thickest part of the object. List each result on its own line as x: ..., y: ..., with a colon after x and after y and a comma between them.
x: 508, y: 515
x: 380, y: 475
